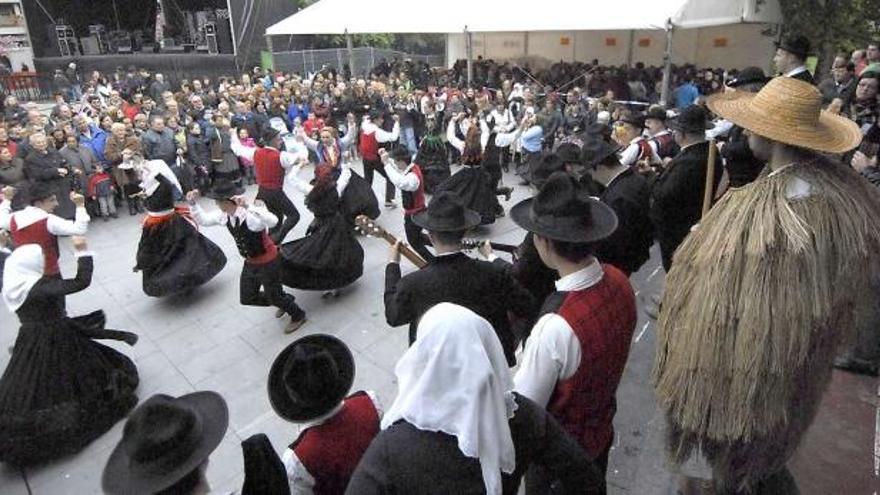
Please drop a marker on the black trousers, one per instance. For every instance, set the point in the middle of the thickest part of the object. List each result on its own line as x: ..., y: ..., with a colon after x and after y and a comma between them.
x: 280, y: 205
x: 371, y: 166
x: 415, y: 238
x: 268, y: 278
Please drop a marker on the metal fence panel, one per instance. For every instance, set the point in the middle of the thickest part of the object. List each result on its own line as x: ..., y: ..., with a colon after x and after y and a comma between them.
x: 364, y: 59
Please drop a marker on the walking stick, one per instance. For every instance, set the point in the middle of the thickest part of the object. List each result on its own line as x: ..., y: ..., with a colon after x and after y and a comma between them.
x: 710, y: 178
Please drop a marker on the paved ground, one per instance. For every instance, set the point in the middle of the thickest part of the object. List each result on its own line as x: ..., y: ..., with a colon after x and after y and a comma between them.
x: 209, y: 341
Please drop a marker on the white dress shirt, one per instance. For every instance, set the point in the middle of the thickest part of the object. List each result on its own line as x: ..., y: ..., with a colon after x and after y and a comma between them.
x: 54, y: 224
x: 553, y: 351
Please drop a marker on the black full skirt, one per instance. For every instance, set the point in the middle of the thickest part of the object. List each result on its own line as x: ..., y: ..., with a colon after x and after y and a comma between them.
x: 358, y: 199
x: 329, y: 257
x: 475, y: 187
x: 174, y: 257
x: 61, y: 389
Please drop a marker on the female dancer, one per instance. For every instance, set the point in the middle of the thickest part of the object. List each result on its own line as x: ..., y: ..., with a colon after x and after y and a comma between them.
x: 61, y: 390
x: 474, y: 184
x: 173, y: 256
x: 356, y: 196
x: 328, y: 257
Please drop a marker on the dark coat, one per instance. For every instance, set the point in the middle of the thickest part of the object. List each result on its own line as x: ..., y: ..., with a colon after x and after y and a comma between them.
x: 44, y: 167
x: 159, y: 146
x: 628, y: 248
x: 404, y: 459
x: 532, y: 274
x: 482, y: 287
x: 677, y: 197
x: 742, y: 166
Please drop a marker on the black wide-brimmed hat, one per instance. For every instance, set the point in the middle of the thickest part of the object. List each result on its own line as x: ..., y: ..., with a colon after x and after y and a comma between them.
x: 596, y: 151
x: 693, y: 118
x: 798, y: 45
x: 225, y: 189
x: 310, y: 377
x: 269, y: 134
x: 634, y: 119
x: 656, y: 112
x: 749, y: 75
x: 446, y: 213
x: 564, y: 211
x: 165, y: 439
x: 543, y: 166
x: 569, y: 153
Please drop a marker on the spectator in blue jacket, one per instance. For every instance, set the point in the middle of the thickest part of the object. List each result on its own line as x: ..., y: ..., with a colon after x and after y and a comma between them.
x: 92, y: 137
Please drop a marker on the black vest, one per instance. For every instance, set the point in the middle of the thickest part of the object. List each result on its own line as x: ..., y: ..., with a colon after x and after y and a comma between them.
x: 248, y: 242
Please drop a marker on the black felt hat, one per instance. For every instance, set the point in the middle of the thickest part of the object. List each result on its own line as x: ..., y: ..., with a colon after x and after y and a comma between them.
x: 634, y: 119
x: 446, y: 213
x: 797, y: 45
x: 543, y: 166
x: 225, y: 189
x: 310, y: 377
x: 596, y: 151
x: 564, y: 211
x: 569, y: 153
x: 165, y: 439
x: 749, y: 75
x: 269, y: 134
x: 656, y: 112
x: 693, y: 118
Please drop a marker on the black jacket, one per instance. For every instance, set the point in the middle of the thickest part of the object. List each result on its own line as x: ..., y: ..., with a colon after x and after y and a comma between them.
x: 628, y: 248
x: 482, y: 287
x: 403, y: 459
x: 43, y: 167
x: 677, y: 197
x: 742, y: 166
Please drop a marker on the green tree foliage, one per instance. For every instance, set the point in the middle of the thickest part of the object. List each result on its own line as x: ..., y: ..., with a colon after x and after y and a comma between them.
x: 832, y: 25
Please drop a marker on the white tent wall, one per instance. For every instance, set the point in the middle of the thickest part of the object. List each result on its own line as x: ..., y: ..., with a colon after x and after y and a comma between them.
x: 732, y: 46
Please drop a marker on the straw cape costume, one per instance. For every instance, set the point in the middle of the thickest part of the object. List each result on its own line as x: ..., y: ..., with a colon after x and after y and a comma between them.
x: 761, y: 293
x: 61, y: 389
x: 172, y: 255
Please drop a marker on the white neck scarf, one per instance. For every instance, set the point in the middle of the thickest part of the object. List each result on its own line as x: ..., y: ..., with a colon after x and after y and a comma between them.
x: 455, y: 379
x: 23, y: 269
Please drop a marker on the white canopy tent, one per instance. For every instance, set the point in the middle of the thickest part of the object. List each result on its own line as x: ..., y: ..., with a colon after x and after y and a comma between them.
x: 463, y: 18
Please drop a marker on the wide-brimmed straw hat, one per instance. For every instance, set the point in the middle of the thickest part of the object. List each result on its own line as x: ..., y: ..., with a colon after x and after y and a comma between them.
x: 789, y: 111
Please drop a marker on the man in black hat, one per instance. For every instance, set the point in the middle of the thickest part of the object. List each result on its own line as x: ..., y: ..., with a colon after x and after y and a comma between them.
x: 165, y: 446
x: 661, y: 139
x: 740, y: 163
x: 677, y: 193
x: 249, y: 226
x: 576, y: 352
x: 270, y: 165
x: 406, y: 175
x: 791, y: 56
x: 451, y: 276
x: 627, y: 193
x: 309, y: 384
x: 635, y: 149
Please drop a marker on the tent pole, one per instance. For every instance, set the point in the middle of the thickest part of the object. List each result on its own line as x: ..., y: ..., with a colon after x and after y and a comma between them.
x: 667, y: 65
x: 469, y: 44
x: 348, y: 47
x: 270, y: 50
x: 629, y: 48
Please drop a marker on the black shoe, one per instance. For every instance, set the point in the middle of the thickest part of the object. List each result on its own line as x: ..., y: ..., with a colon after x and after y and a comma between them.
x: 106, y: 218
x: 506, y: 191
x: 857, y: 366
x: 114, y: 215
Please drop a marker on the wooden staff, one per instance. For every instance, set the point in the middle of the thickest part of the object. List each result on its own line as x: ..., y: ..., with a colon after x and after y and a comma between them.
x: 710, y: 178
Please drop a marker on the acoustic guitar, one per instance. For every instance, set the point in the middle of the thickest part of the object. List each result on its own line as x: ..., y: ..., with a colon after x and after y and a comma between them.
x: 369, y: 227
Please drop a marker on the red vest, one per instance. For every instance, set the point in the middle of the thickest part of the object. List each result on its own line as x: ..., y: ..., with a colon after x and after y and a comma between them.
x: 414, y: 201
x: 331, y: 451
x: 38, y: 233
x: 369, y: 146
x: 603, y: 318
x: 268, y: 169
x: 645, y: 150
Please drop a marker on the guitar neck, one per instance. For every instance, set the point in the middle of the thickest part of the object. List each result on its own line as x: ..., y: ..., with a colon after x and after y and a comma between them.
x: 405, y: 250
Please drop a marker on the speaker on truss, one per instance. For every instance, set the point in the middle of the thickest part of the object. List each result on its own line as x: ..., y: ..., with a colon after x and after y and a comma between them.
x: 211, y: 37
